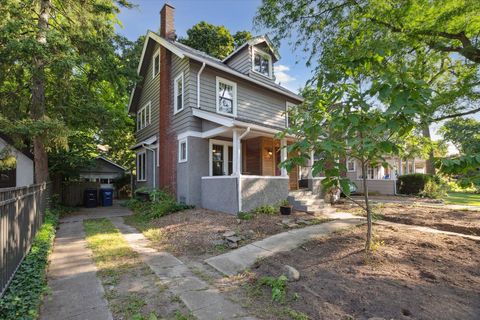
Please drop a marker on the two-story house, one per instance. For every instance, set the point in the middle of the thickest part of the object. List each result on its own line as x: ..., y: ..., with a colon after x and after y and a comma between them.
x: 206, y: 127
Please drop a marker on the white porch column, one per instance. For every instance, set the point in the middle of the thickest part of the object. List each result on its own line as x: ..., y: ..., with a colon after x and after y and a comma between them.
x: 236, y: 153
x: 310, y: 163
x: 413, y: 165
x: 283, y: 155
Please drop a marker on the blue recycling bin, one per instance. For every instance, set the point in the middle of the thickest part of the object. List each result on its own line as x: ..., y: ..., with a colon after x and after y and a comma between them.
x: 106, y: 197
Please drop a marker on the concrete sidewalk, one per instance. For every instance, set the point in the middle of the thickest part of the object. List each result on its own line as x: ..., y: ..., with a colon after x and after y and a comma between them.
x: 204, y: 301
x: 77, y: 293
x: 235, y: 261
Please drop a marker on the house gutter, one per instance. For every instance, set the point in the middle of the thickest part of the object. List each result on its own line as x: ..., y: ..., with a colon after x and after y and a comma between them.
x: 239, y: 175
x: 198, y: 84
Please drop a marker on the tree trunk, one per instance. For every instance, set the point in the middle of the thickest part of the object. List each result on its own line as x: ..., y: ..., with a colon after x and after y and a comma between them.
x: 368, y: 243
x: 37, y: 107
x: 429, y: 167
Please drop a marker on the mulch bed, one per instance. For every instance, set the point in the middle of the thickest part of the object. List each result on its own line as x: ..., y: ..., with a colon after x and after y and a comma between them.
x: 409, y: 276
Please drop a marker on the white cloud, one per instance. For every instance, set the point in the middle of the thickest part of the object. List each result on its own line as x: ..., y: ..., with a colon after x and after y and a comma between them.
x: 281, y: 74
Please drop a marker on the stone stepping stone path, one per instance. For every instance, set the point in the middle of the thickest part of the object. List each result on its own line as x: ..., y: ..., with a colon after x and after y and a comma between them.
x: 204, y: 301
x: 236, y: 261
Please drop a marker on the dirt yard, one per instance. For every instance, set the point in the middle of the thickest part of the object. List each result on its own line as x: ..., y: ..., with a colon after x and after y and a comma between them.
x: 198, y: 233
x: 461, y: 221
x: 410, y: 276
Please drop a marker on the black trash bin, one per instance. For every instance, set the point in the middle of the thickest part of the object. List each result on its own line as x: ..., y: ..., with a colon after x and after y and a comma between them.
x: 90, y: 198
x: 106, y: 197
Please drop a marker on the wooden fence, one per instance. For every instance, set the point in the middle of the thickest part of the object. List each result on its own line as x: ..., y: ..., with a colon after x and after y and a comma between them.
x: 21, y: 216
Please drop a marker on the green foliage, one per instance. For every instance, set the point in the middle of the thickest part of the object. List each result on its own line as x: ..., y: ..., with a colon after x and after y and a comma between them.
x: 278, y: 286
x: 24, y: 295
x: 161, y: 203
x: 421, y: 184
x: 265, y: 209
x: 245, y: 215
x: 216, y: 41
x: 8, y: 161
x: 463, y: 133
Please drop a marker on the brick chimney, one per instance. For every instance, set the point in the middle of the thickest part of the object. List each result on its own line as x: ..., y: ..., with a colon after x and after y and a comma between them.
x: 167, y: 23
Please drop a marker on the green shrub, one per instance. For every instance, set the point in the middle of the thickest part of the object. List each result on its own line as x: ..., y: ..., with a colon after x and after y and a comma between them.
x: 24, y: 295
x: 161, y: 203
x: 245, y: 215
x: 265, y: 209
x: 420, y: 184
x: 278, y: 285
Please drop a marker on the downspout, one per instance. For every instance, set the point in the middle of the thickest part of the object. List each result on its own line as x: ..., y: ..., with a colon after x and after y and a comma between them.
x: 239, y: 176
x: 153, y: 163
x: 198, y: 84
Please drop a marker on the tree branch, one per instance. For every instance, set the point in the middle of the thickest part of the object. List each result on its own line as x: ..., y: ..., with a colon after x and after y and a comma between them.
x: 455, y: 115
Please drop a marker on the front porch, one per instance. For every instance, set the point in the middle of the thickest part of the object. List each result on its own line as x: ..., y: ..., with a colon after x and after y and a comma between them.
x: 244, y: 171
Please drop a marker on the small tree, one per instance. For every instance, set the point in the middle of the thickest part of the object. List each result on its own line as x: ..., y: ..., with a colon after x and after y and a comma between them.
x: 342, y: 121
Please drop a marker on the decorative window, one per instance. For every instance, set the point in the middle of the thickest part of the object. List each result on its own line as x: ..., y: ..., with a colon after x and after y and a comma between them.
x: 144, y: 116
x: 156, y: 64
x: 226, y: 97
x: 182, y: 150
x: 141, y: 166
x: 262, y: 63
x: 178, y: 93
x: 288, y: 111
x: 351, y: 165
x: 221, y: 157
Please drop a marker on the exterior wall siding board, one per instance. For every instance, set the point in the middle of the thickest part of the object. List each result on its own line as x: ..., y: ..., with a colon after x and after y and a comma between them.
x: 150, y: 92
x: 253, y: 103
x: 242, y: 61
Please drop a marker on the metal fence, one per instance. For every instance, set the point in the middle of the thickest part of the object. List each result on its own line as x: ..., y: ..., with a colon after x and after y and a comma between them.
x: 21, y: 215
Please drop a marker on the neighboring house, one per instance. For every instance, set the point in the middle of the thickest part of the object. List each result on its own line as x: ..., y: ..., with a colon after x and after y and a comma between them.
x: 206, y: 127
x: 380, y: 179
x: 103, y: 171
x: 20, y: 165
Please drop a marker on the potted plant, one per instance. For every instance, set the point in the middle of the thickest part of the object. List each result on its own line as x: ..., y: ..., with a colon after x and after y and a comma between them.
x: 285, y: 207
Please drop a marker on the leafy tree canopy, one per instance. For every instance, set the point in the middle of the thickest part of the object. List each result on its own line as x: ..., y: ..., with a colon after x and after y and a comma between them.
x: 464, y: 134
x: 216, y: 41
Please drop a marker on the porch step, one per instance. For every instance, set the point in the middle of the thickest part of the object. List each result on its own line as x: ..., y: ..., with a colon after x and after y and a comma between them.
x: 307, y: 201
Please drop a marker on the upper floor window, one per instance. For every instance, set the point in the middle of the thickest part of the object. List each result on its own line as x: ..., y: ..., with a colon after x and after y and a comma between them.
x: 262, y: 63
x: 178, y: 93
x: 226, y: 97
x: 156, y: 63
x: 351, y: 165
x: 144, y: 116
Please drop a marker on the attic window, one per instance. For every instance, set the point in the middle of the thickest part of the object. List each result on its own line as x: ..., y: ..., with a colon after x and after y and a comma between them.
x: 156, y: 63
x: 262, y: 62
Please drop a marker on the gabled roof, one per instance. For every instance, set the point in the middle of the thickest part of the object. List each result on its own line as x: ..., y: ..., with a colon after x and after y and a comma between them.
x: 252, y: 42
x: 111, y: 162
x: 182, y: 51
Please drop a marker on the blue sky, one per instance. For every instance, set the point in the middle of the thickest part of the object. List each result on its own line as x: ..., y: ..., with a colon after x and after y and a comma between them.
x: 234, y: 14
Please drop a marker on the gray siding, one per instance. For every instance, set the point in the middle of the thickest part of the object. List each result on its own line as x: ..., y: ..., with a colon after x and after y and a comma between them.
x: 258, y: 191
x: 253, y: 103
x: 150, y: 91
x: 242, y: 61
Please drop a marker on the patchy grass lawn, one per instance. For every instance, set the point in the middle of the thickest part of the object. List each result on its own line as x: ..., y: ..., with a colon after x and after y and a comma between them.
x: 131, y: 288
x: 463, y: 198
x: 195, y: 233
x: 411, y: 275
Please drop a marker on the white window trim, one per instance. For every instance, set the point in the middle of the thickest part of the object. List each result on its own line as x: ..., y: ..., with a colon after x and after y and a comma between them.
x: 288, y: 106
x: 225, y: 144
x: 234, y: 85
x: 143, y: 120
x: 175, y: 93
x: 270, y: 63
x: 354, y: 165
x: 157, y: 53
x: 144, y: 153
x: 180, y: 142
